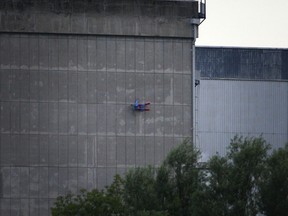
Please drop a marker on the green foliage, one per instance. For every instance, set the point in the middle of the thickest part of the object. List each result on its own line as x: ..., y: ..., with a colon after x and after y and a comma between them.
x: 140, y: 190
x: 233, y: 180
x: 274, y: 188
x: 244, y: 182
x: 93, y: 203
x: 180, y: 177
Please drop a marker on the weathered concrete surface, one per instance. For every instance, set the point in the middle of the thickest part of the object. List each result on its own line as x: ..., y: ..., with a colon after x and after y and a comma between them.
x: 65, y: 117
x: 118, y: 17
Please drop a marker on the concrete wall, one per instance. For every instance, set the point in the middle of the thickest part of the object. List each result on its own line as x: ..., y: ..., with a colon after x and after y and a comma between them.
x: 116, y: 17
x: 65, y: 118
x: 69, y: 71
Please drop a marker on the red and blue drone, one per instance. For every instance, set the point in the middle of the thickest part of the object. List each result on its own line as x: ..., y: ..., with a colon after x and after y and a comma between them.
x: 140, y: 107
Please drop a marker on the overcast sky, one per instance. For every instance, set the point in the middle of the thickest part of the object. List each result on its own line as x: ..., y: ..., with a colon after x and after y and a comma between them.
x: 245, y: 23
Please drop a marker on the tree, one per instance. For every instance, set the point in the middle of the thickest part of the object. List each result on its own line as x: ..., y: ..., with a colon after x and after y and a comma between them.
x: 179, y: 175
x: 140, y: 191
x: 234, y: 180
x: 274, y: 188
x: 108, y: 202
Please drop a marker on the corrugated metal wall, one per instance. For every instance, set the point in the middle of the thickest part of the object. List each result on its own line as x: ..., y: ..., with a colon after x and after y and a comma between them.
x: 65, y: 118
x: 248, y: 108
x: 247, y: 94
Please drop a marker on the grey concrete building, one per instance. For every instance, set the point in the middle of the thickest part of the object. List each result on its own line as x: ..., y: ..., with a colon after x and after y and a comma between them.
x: 69, y: 71
x: 242, y: 91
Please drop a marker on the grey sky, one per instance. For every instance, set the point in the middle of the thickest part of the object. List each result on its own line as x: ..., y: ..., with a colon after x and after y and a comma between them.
x: 245, y: 23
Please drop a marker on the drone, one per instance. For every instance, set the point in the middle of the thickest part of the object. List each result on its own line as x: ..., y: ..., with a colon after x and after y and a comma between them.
x: 140, y: 107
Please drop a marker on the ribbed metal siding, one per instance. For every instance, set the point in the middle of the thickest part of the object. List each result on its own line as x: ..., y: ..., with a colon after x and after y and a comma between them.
x: 248, y: 108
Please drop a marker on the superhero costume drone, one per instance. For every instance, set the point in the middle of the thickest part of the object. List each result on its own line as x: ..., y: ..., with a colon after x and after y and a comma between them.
x: 140, y: 107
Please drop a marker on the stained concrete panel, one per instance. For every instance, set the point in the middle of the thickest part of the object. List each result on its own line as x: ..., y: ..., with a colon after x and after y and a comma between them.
x: 159, y: 150
x: 63, y: 181
x: 130, y: 85
x: 34, y: 85
x: 72, y: 180
x: 72, y: 53
x: 101, y: 87
x: 149, y: 62
x: 111, y: 119
x: 149, y: 150
x: 5, y: 88
x: 159, y: 56
x: 63, y: 118
x: 139, y: 56
x: 82, y: 179
x: 5, y: 143
x: 72, y: 119
x: 24, y: 52
x: 15, y: 117
x: 43, y: 150
x: 82, y: 49
x: 43, y: 85
x: 92, y: 119
x: 92, y: 87
x: 72, y: 108
x: 5, y: 55
x: 130, y: 151
x: 63, y: 153
x: 53, y: 117
x: 43, y: 53
x: 91, y: 148
x: 34, y: 150
x: 63, y: 53
x: 159, y: 88
x: 121, y: 151
x: 6, y: 183
x: 121, y: 89
x: 168, y: 92
x: 33, y: 182
x: 82, y: 118
x: 72, y: 151
x: 5, y: 116
x: 5, y: 207
x: 24, y: 80
x: 111, y: 151
x: 130, y: 55
x: 150, y: 86
x: 178, y: 89
x: 53, y: 150
x: 82, y: 151
x: 63, y: 86
x: 102, y: 119
x: 14, y: 86
x: 101, y: 151
x: 178, y: 57
x: 140, y: 151
x: 53, y: 53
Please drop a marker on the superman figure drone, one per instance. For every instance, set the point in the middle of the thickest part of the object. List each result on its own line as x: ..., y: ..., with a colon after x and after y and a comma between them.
x: 140, y: 107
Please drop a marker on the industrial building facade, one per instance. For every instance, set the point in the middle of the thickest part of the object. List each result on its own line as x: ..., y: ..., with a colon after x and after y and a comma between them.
x: 242, y: 91
x: 70, y: 71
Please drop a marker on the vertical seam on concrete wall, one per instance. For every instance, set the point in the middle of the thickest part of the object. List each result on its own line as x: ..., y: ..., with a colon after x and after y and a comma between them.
x: 106, y: 113
x: 87, y: 105
x: 38, y: 131
x: 58, y: 119
x: 125, y: 76
x: 116, y: 108
x: 96, y: 112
